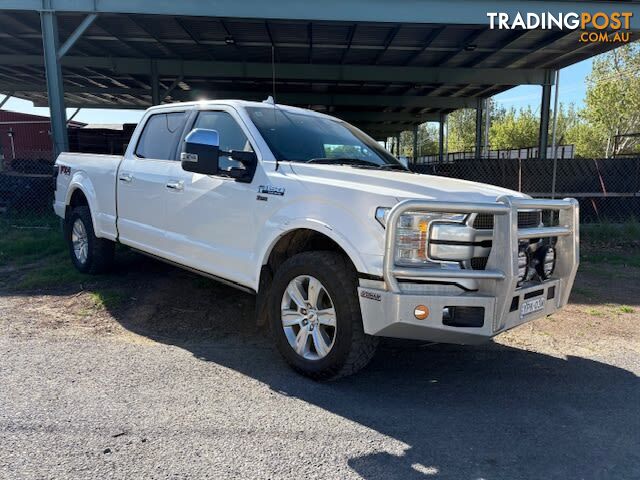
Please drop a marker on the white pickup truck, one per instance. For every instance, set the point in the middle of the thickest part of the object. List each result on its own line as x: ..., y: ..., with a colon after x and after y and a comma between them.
x: 339, y: 241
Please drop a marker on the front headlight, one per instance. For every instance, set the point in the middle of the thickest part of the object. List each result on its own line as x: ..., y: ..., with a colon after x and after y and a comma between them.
x: 413, y: 232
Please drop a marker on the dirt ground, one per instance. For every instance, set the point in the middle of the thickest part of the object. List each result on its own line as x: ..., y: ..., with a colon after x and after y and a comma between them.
x: 153, y: 372
x: 143, y: 300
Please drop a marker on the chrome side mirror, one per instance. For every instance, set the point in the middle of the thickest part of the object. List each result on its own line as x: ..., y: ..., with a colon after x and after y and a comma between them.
x: 201, y: 151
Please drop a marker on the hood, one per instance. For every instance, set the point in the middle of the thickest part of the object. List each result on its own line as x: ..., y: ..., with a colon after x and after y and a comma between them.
x: 401, y: 185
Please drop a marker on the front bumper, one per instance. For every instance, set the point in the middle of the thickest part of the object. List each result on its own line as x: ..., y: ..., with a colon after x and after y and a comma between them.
x: 389, y: 309
x: 391, y: 314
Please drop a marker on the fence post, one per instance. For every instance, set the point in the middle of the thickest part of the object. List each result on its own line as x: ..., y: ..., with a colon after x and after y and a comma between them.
x: 553, y: 137
x: 478, y: 154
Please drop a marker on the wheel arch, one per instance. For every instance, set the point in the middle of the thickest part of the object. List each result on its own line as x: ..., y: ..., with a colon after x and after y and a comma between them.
x: 302, y: 238
x: 306, y: 235
x: 81, y: 193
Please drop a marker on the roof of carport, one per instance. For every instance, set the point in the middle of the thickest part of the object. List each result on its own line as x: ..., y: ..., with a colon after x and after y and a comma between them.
x: 355, y: 58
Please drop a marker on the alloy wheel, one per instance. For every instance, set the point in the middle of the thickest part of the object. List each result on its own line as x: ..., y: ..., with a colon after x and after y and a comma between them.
x: 308, y: 317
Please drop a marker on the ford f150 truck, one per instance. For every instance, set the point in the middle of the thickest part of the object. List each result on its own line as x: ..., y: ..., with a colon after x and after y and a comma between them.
x: 338, y: 240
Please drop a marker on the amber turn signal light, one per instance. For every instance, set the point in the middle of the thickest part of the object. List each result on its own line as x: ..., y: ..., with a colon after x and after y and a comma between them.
x: 421, y: 312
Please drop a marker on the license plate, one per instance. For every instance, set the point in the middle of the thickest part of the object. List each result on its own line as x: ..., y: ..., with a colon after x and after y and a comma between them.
x: 531, y: 306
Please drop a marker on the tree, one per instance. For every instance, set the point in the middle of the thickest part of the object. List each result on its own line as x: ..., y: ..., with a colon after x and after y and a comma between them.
x: 461, y: 126
x: 514, y: 129
x: 568, y: 122
x: 427, y: 141
x: 603, y: 128
x: 612, y: 105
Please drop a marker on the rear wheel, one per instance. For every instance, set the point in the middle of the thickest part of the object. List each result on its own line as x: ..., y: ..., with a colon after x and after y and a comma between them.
x: 89, y: 253
x: 315, y: 316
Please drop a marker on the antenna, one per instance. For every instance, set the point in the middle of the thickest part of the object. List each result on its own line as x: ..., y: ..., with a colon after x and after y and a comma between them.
x: 273, y: 72
x: 273, y: 97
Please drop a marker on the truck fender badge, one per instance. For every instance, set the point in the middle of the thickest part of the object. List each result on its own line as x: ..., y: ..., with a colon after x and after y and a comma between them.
x: 188, y: 157
x: 371, y: 295
x: 65, y: 170
x: 262, y: 198
x: 271, y: 190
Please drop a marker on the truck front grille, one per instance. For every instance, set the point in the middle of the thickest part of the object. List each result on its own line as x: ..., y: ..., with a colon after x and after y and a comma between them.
x: 479, y: 263
x: 526, y: 219
x: 484, y: 221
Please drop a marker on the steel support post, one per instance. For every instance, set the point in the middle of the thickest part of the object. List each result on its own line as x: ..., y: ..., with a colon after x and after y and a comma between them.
x: 415, y: 144
x: 155, y: 84
x: 479, y: 129
x: 487, y: 125
x: 55, y: 91
x: 545, y: 108
x: 398, y: 145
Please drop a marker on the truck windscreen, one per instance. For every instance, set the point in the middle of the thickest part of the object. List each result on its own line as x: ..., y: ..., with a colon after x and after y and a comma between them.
x: 299, y: 137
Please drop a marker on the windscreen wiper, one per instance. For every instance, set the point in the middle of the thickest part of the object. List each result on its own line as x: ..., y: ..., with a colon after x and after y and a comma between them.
x: 341, y: 161
x: 358, y: 163
x: 384, y: 166
x: 355, y: 162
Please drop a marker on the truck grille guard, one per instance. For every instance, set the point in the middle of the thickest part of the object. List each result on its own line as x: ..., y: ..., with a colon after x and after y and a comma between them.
x: 499, y: 279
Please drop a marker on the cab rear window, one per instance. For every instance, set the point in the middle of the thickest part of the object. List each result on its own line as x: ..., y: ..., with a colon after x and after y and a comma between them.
x: 161, y: 135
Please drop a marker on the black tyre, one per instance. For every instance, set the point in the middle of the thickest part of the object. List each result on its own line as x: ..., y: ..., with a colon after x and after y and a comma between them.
x: 89, y: 253
x: 315, y: 316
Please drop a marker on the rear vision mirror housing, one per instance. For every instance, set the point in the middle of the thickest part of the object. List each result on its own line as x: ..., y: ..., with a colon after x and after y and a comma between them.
x: 201, y: 151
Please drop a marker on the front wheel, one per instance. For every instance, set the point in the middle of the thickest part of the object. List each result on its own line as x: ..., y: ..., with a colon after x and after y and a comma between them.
x: 89, y: 253
x: 315, y: 316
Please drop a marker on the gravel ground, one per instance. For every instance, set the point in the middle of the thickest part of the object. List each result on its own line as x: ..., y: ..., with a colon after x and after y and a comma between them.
x: 170, y: 378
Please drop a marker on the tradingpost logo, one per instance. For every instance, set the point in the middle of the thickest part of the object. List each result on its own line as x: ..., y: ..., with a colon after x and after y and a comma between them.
x: 599, y: 27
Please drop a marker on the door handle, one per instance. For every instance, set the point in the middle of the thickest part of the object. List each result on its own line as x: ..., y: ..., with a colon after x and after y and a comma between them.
x: 176, y: 185
x: 125, y: 177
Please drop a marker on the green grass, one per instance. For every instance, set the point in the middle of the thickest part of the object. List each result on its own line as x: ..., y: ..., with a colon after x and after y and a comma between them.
x: 35, y: 245
x: 596, y: 270
x: 611, y: 233
x: 51, y: 274
x: 20, y: 246
x: 594, y: 312
x: 630, y: 259
x: 108, y: 299
x: 584, y: 292
x: 625, y: 309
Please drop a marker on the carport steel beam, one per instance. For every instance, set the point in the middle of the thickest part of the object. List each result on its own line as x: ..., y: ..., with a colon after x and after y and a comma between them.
x: 301, y: 71
x: 77, y: 33
x: 371, y: 117
x: 347, y: 100
x: 445, y: 12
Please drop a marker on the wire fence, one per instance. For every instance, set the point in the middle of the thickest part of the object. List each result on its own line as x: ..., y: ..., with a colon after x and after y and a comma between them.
x: 26, y: 184
x: 26, y: 173
x: 562, y: 151
x: 608, y: 189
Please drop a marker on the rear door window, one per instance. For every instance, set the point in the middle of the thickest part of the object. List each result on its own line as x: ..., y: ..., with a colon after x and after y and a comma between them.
x: 161, y: 135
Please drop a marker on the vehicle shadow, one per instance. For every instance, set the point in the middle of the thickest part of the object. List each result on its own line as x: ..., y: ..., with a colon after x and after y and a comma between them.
x: 488, y: 411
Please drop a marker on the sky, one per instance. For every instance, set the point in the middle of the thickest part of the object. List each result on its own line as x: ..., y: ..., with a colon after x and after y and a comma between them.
x: 572, y: 89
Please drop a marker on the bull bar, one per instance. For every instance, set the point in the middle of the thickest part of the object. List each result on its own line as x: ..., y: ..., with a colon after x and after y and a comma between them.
x: 497, y: 283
